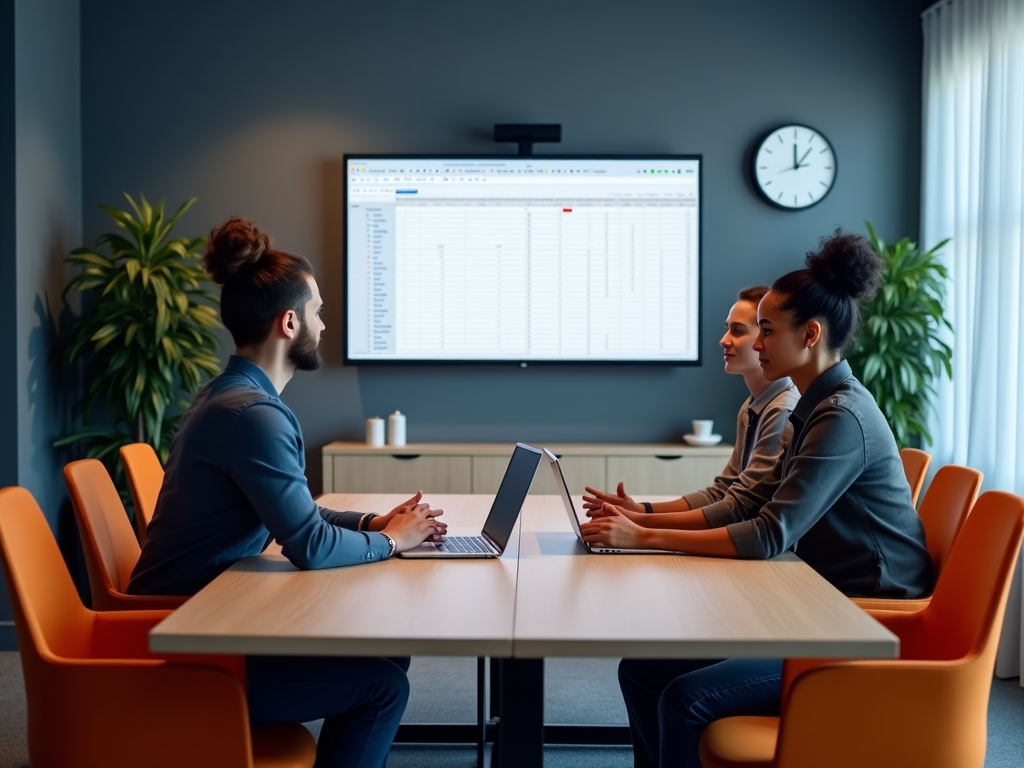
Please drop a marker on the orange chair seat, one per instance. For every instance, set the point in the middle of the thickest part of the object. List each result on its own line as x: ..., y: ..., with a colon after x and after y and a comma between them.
x: 740, y: 742
x: 882, y: 604
x: 282, y: 746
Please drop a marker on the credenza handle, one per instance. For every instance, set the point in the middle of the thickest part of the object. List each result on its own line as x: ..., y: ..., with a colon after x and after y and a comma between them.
x: 405, y: 456
x: 668, y: 458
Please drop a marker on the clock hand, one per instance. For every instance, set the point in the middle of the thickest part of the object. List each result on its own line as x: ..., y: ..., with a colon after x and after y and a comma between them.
x: 795, y: 163
x: 800, y: 164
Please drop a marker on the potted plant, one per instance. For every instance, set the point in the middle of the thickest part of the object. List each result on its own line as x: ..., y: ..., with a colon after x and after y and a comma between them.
x: 898, y: 353
x: 145, y: 340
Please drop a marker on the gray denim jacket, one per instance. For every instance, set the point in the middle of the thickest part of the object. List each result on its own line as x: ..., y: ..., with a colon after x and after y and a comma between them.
x: 844, y: 503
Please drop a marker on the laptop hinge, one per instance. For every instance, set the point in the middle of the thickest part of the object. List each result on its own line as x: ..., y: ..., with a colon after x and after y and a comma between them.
x: 490, y: 541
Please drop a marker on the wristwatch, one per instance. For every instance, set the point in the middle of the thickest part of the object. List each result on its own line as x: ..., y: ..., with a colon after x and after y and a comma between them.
x: 364, y: 521
x: 391, y: 545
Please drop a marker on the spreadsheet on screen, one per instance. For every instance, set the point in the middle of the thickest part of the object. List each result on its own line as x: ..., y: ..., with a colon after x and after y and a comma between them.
x: 522, y: 259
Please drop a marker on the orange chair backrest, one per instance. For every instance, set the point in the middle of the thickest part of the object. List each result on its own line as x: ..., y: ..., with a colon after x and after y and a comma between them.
x: 111, y: 550
x: 962, y: 621
x: 145, y: 476
x: 48, y: 614
x: 915, y: 466
x: 964, y: 616
x: 945, y: 507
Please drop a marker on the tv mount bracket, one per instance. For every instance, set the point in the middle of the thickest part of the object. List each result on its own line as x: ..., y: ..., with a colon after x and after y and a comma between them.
x: 526, y: 134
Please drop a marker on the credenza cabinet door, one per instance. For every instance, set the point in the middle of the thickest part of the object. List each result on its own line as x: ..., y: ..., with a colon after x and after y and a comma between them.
x: 579, y: 471
x: 402, y: 474
x: 663, y: 475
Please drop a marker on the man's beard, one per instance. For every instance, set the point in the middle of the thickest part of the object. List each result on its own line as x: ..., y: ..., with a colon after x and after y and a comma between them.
x: 304, y: 353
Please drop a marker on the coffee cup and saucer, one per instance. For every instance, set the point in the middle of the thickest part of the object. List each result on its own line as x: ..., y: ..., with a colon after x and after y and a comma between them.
x: 702, y: 435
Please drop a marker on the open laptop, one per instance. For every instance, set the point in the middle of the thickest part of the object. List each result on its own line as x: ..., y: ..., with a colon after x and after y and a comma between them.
x: 502, y: 518
x: 563, y: 490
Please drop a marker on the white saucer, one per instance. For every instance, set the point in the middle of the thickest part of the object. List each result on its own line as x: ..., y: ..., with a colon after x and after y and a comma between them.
x: 703, y: 441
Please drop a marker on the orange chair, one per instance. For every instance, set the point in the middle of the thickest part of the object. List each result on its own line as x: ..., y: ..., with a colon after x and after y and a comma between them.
x: 98, y: 699
x: 145, y: 476
x: 915, y: 466
x: 111, y: 550
x: 949, y: 500
x: 928, y: 708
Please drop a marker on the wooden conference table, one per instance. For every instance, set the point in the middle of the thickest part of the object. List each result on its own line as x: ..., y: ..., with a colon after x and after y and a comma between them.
x: 545, y: 597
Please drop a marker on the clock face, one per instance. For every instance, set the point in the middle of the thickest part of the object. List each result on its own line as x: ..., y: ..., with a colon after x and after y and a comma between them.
x: 794, y: 167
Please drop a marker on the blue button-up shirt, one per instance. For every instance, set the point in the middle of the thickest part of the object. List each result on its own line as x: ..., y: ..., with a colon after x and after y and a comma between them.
x: 235, y: 480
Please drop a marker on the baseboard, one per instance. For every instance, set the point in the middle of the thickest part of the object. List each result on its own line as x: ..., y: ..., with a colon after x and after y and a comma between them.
x: 8, y: 637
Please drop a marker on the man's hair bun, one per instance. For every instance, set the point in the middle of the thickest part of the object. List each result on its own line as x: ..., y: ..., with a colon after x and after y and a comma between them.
x: 846, y: 265
x: 235, y: 245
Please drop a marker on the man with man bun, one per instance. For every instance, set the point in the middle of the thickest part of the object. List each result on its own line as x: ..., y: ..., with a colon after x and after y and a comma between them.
x: 235, y: 480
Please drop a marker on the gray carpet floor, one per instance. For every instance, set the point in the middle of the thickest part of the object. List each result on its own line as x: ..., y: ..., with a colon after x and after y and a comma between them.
x: 576, y: 691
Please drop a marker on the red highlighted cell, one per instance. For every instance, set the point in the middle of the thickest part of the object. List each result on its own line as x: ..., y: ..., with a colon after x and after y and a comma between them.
x: 567, y: 210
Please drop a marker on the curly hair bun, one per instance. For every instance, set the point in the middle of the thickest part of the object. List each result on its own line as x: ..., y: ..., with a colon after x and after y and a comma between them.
x: 234, y: 245
x: 846, y: 265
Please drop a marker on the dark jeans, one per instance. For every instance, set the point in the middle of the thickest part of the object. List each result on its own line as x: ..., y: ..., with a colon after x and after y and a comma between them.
x: 360, y: 699
x: 670, y: 703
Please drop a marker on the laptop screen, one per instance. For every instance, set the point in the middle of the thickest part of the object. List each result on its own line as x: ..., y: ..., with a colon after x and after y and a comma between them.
x: 563, y: 490
x: 512, y: 493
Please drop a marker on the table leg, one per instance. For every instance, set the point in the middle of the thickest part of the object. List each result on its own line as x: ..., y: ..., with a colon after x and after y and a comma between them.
x: 520, y: 742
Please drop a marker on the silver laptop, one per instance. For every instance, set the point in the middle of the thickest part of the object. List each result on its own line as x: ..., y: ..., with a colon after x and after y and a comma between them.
x: 502, y: 519
x: 563, y: 490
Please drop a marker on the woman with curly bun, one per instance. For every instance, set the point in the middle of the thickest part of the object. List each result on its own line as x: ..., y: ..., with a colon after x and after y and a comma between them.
x: 843, y: 504
x: 235, y: 480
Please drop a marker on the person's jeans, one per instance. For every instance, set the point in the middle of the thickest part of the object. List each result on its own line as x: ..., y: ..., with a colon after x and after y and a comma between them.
x: 361, y: 701
x: 670, y: 703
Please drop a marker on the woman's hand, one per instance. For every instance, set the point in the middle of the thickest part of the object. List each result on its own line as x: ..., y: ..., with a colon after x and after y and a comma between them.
x: 620, y: 499
x: 615, y: 530
x: 607, y: 510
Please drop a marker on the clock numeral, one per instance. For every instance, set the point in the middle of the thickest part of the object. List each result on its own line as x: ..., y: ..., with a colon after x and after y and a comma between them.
x: 823, y: 183
x: 767, y: 183
x: 768, y: 151
x: 795, y: 202
x: 763, y: 167
x: 780, y: 196
x: 823, y: 151
x: 828, y: 167
x: 779, y: 137
x: 810, y: 195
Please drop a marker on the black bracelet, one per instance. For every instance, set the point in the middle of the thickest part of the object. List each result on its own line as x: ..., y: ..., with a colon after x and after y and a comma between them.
x: 648, y: 509
x: 364, y: 521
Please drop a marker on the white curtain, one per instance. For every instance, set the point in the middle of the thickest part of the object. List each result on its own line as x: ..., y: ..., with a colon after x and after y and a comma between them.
x: 973, y: 192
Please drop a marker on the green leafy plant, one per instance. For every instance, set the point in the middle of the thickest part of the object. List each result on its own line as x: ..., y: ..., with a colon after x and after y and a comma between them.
x: 145, y: 339
x: 898, y: 353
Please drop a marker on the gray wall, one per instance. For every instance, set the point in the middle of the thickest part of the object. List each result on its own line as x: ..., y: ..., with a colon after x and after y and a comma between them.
x: 8, y: 260
x: 252, y: 110
x: 49, y: 179
x: 41, y: 141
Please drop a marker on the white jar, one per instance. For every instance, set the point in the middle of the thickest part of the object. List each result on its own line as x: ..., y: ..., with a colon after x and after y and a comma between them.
x: 375, y: 431
x: 396, y: 428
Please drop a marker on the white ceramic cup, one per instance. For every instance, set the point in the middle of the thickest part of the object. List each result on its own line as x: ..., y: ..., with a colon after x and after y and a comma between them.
x: 702, y: 427
x: 375, y: 431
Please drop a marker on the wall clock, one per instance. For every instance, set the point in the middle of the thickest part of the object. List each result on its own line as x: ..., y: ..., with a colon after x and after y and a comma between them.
x: 794, y: 167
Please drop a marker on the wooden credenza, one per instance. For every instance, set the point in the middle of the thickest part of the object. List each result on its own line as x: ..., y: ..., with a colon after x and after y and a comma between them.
x: 655, y: 469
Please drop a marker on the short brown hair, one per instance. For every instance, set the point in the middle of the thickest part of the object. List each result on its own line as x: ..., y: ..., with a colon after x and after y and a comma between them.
x: 754, y: 293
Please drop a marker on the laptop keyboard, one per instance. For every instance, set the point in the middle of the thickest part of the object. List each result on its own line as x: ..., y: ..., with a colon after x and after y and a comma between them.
x: 465, y: 545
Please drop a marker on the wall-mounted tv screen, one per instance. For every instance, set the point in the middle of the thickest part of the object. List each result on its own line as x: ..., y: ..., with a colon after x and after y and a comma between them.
x: 522, y: 259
